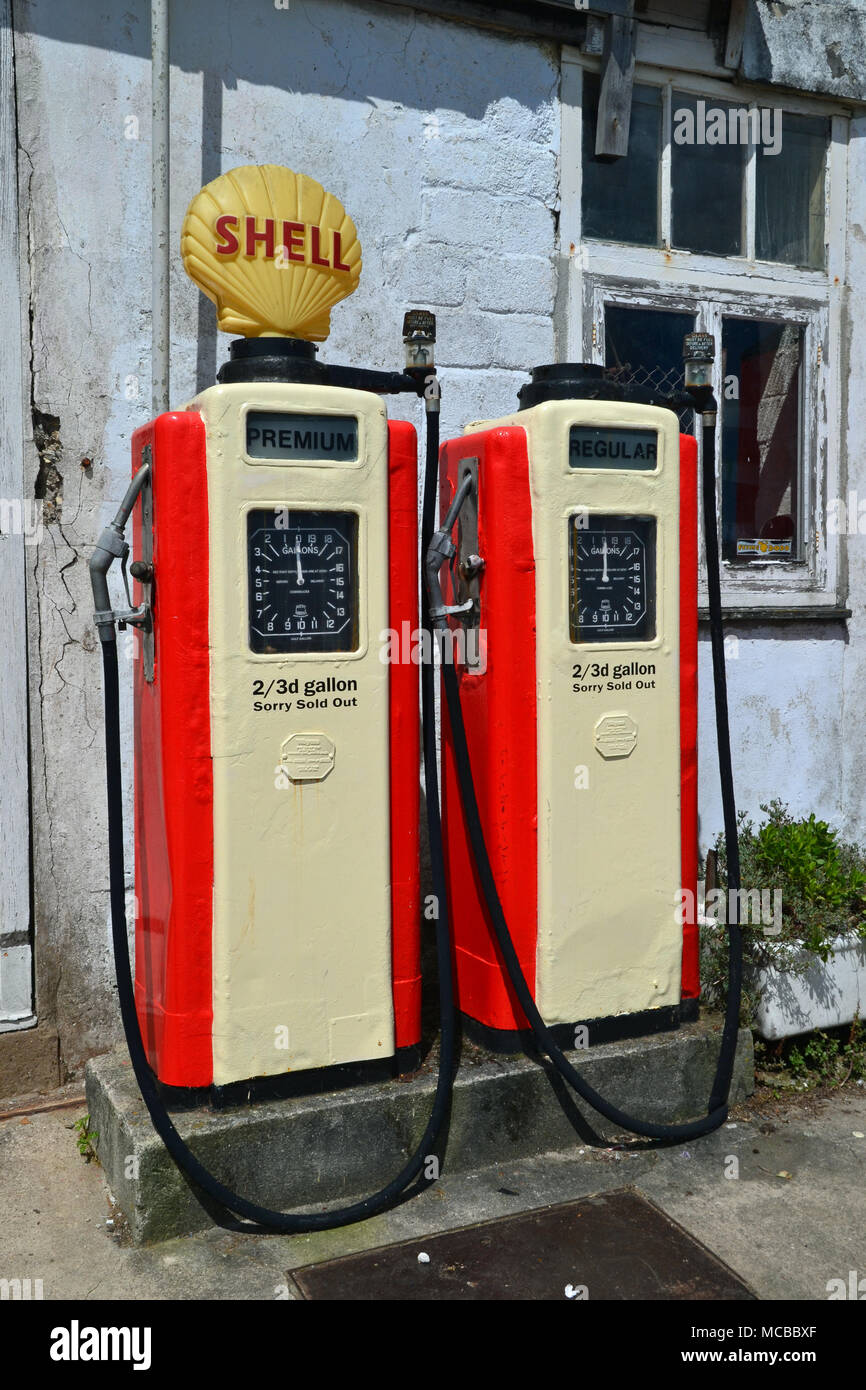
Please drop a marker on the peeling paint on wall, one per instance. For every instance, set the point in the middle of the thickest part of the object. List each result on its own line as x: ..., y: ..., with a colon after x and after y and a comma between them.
x: 785, y: 44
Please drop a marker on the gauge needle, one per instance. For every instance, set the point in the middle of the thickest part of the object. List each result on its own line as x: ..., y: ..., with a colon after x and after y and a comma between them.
x: 298, y: 558
x: 604, y: 578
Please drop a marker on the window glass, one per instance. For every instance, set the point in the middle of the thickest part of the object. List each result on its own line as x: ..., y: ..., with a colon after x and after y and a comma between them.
x: 706, y: 177
x: 620, y: 196
x: 644, y: 347
x: 789, y: 189
x: 761, y: 440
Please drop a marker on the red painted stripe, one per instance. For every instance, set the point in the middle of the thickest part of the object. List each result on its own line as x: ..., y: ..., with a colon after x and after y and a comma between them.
x: 691, y: 980
x: 404, y: 733
x: 173, y: 769
x: 504, y: 767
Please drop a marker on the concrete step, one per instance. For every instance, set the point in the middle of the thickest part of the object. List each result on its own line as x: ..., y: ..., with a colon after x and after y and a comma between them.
x: 313, y: 1151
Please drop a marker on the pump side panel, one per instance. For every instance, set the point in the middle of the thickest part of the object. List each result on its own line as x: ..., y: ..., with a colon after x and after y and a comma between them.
x: 609, y: 839
x: 302, y: 940
x: 404, y: 733
x: 499, y: 709
x: 173, y: 775
x: 691, y: 983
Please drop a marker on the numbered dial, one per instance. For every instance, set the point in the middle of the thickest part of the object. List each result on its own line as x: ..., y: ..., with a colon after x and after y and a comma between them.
x: 612, y: 578
x: 303, y: 581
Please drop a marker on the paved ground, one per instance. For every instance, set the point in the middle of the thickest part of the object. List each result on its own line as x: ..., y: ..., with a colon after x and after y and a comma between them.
x: 790, y: 1217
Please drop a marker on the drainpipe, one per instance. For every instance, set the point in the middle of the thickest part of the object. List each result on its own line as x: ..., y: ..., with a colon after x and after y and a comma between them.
x: 160, y: 214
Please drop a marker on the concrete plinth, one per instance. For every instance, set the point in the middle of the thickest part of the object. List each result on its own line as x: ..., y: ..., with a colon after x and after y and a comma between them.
x: 314, y: 1151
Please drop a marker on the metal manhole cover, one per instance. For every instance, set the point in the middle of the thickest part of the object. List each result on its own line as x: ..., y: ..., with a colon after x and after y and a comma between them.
x: 613, y: 1246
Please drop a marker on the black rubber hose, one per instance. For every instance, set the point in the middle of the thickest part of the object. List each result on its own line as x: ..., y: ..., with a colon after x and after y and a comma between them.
x: 722, y: 1083
x: 285, y: 1222
x: 717, y: 1109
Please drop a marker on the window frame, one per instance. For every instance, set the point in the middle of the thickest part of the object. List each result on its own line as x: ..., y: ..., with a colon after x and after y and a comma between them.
x: 665, y: 277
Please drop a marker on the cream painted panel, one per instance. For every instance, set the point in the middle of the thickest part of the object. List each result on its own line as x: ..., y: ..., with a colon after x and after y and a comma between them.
x: 609, y: 853
x: 302, y: 935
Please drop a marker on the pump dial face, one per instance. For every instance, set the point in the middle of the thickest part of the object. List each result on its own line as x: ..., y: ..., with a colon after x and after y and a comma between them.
x: 613, y: 567
x: 303, y: 580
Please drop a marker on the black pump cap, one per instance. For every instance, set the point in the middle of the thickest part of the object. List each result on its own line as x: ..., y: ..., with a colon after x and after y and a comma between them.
x: 581, y: 381
x: 272, y: 359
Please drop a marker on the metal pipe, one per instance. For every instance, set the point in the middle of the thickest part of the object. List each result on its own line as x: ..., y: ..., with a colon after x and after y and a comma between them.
x: 160, y: 83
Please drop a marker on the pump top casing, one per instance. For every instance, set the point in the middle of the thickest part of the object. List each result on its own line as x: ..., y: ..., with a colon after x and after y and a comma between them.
x: 578, y: 381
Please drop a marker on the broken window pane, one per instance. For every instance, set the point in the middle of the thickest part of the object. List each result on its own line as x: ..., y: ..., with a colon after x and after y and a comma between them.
x: 644, y: 347
x: 620, y: 196
x: 707, y: 164
x: 789, y: 189
x: 761, y: 440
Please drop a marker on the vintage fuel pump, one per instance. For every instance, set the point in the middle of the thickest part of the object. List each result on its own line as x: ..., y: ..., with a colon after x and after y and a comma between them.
x: 276, y: 754
x: 569, y: 762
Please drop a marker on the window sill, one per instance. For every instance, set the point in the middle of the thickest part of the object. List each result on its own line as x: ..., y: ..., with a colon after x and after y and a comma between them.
x: 783, y: 613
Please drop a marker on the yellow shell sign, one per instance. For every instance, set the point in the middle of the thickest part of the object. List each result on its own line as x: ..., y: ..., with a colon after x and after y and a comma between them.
x: 273, y: 250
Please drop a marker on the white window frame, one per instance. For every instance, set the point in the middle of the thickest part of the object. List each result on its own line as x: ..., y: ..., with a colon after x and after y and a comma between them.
x: 665, y: 277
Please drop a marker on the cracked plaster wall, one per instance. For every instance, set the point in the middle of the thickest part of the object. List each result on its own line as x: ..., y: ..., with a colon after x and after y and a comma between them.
x: 807, y: 45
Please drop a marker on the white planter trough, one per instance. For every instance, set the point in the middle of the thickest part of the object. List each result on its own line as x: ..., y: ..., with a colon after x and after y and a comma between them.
x: 827, y: 995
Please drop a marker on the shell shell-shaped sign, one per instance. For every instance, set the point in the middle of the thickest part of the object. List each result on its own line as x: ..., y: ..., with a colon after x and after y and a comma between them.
x: 273, y: 250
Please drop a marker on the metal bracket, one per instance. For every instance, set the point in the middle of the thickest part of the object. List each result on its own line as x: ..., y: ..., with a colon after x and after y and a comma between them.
x: 148, y: 645
x: 135, y: 615
x: 466, y: 574
x: 124, y: 617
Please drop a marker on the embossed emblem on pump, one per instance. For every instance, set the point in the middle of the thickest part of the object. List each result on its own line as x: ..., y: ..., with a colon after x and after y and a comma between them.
x: 308, y: 757
x: 615, y: 734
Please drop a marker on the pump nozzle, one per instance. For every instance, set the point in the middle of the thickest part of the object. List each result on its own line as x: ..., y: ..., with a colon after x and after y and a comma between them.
x: 112, y: 545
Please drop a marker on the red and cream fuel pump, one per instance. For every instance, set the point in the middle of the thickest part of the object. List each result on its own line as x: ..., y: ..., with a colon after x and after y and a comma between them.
x: 267, y: 728
x: 276, y: 753
x: 281, y: 517
x: 569, y: 758
x: 577, y: 546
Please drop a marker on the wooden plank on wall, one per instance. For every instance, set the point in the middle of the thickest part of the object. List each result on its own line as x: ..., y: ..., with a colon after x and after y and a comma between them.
x: 19, y: 529
x: 736, y: 32
x: 617, y: 80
